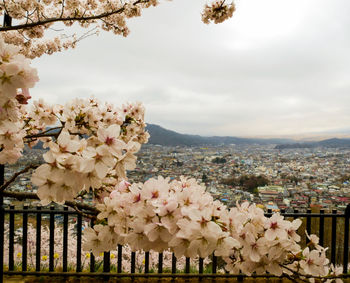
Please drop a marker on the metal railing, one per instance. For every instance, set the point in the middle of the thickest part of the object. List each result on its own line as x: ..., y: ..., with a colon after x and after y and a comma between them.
x: 334, y: 226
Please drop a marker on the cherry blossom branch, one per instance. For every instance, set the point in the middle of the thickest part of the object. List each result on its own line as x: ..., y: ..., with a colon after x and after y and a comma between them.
x: 69, y: 19
x: 72, y: 204
x: 14, y: 176
x: 45, y: 134
x: 83, y: 213
x: 306, y: 276
x: 34, y: 137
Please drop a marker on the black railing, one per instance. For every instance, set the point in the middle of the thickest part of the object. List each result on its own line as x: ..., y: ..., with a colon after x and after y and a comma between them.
x: 332, y: 229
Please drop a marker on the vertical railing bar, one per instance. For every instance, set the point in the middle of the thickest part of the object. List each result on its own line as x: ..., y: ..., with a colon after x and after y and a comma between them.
x: 346, y: 239
x: 334, y: 236
x: 92, y: 262
x: 106, y: 265
x: 146, y: 262
x: 200, y: 265
x: 296, y: 212
x: 24, y: 238
x: 65, y: 240
x: 187, y: 265
x: 92, y: 257
x: 133, y: 259
x: 120, y: 258
x: 79, y: 228
x: 308, y: 224
x: 52, y: 238
x: 160, y: 263
x: 38, y: 239
x: 2, y: 230
x: 321, y: 228
x: 11, y: 238
x: 214, y: 263
x: 106, y: 262
x: 173, y: 263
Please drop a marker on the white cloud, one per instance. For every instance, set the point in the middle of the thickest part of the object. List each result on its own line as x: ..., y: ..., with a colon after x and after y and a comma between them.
x: 276, y: 67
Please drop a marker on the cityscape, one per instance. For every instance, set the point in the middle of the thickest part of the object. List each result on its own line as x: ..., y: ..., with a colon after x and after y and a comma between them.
x: 276, y: 179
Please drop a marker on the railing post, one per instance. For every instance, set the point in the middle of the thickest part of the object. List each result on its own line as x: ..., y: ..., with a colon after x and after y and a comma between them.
x: 24, y: 238
x: 38, y: 239
x: 334, y: 235
x: 200, y: 265
x: 7, y: 23
x: 321, y: 228
x: 92, y: 257
x: 187, y: 265
x: 52, y: 238
x: 2, y: 222
x: 308, y: 224
x: 11, y: 238
x: 173, y: 263
x: 65, y: 240
x: 160, y: 263
x: 106, y: 262
x: 120, y: 258
x: 147, y: 262
x: 214, y: 264
x: 79, y: 228
x: 133, y: 260
x: 346, y: 240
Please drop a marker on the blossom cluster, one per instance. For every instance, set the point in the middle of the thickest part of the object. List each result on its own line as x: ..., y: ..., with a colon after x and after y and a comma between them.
x: 217, y: 12
x: 33, y: 18
x: 16, y: 76
x: 92, y: 147
x: 181, y: 216
x: 88, y: 14
x: 90, y: 144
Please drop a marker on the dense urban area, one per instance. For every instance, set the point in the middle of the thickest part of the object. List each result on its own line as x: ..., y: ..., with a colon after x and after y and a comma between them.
x: 316, y: 178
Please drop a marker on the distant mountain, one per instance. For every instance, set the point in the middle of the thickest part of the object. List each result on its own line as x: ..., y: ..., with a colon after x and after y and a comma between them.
x: 333, y: 143
x: 161, y: 136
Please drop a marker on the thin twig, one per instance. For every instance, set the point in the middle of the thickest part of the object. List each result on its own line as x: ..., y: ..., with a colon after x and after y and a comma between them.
x: 90, y: 216
x: 45, y: 133
x: 14, y: 176
x: 42, y: 135
x: 68, y: 19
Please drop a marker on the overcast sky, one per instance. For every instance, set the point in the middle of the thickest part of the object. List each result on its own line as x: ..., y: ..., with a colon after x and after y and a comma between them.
x: 278, y: 67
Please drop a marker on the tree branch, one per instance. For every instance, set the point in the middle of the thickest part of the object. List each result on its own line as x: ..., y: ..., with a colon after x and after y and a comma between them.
x: 14, y: 176
x: 68, y: 19
x: 90, y: 216
x: 45, y: 133
x: 303, y: 277
x: 41, y: 136
x: 81, y: 206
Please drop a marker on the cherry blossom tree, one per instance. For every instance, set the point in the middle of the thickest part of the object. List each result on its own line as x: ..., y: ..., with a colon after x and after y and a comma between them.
x: 29, y: 20
x: 90, y: 145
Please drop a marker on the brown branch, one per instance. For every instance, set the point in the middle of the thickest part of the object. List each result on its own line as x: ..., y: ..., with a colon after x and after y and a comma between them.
x: 25, y: 195
x: 90, y: 216
x: 45, y: 133
x: 14, y: 176
x: 41, y: 136
x: 303, y: 277
x: 68, y: 19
